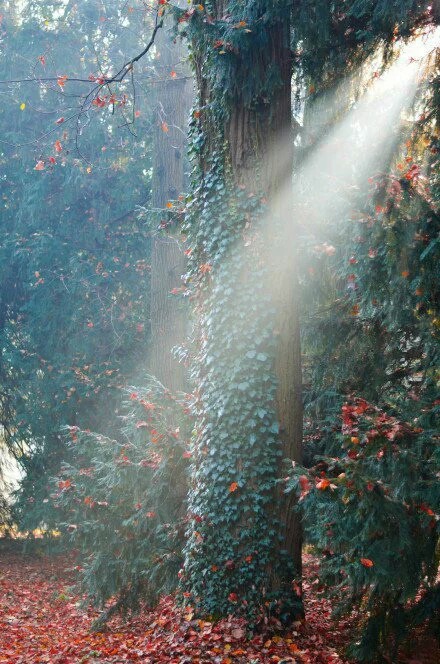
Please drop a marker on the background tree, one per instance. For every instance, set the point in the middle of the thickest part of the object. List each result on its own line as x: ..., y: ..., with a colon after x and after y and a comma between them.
x: 124, y: 493
x: 75, y: 260
x: 173, y: 98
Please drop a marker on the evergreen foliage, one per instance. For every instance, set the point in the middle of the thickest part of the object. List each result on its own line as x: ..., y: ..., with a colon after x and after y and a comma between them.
x: 371, y: 496
x: 124, y: 502
x: 74, y: 259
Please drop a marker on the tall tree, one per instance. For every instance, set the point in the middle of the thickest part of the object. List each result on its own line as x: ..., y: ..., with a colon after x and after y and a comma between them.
x: 243, y: 544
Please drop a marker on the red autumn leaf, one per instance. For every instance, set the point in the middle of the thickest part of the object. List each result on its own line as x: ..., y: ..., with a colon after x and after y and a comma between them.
x: 99, y: 102
x: 354, y: 310
x: 61, y: 80
x: 323, y: 484
x: 148, y: 405
x: 164, y: 127
x: 233, y: 487
x: 426, y: 509
x: 238, y: 633
x: 58, y: 147
x: 304, y: 484
x: 366, y: 562
x: 39, y: 166
x: 59, y: 121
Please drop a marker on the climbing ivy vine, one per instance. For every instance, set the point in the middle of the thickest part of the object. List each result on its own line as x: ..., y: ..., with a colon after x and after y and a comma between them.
x: 236, y: 559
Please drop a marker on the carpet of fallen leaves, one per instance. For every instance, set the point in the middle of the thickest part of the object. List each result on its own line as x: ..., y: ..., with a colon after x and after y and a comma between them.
x: 42, y: 621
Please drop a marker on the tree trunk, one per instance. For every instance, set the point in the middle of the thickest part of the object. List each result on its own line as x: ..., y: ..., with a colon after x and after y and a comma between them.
x: 173, y: 98
x: 244, y: 544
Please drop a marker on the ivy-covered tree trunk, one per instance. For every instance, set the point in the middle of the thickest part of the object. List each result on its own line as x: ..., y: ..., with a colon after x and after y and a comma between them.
x: 244, y: 544
x: 168, y: 317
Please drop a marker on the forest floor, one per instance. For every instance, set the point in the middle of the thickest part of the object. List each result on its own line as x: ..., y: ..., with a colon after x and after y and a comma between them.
x: 41, y: 621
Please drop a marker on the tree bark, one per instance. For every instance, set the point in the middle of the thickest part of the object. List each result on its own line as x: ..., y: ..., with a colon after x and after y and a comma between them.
x: 168, y: 316
x: 251, y: 136
x: 264, y: 138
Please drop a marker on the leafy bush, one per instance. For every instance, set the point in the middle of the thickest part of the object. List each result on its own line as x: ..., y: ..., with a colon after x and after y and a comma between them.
x: 125, y: 502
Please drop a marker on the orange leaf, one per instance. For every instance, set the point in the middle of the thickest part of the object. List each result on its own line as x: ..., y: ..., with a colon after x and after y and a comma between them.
x: 233, y: 487
x: 323, y: 484
x: 164, y: 127
x: 366, y: 562
x: 58, y: 147
x: 354, y: 310
x: 39, y: 166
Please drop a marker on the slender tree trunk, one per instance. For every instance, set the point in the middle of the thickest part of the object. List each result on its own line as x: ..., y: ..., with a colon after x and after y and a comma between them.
x: 173, y: 99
